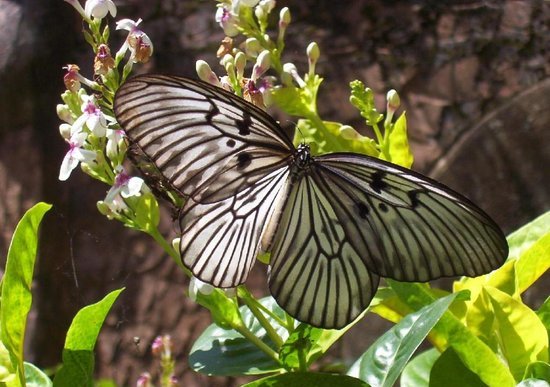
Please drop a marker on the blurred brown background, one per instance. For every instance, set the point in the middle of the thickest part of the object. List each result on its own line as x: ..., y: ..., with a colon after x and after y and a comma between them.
x: 472, y: 75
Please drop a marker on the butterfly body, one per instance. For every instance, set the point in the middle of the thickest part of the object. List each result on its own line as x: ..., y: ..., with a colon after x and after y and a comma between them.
x: 333, y: 223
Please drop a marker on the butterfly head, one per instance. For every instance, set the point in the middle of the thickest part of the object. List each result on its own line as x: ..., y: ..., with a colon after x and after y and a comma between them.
x: 302, y: 157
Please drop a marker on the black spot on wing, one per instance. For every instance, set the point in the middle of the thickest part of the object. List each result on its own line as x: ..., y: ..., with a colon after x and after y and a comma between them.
x: 244, y: 125
x: 230, y: 143
x: 362, y: 210
x: 214, y: 111
x: 377, y: 183
x: 243, y: 160
x: 383, y: 207
x: 413, y: 196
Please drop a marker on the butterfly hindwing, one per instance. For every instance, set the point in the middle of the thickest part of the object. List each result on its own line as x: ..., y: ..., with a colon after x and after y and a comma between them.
x: 317, y: 273
x: 220, y: 240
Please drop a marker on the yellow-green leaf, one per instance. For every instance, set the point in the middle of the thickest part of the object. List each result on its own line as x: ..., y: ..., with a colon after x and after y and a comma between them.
x: 523, y: 339
x: 398, y: 149
x: 16, y: 285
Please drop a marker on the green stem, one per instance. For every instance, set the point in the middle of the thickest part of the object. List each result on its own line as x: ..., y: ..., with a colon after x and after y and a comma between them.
x: 257, y: 342
x: 252, y: 304
x: 270, y: 314
x: 383, y: 144
x: 302, y: 360
x: 167, y: 247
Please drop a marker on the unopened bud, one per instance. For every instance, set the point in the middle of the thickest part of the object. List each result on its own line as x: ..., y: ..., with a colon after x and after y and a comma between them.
x: 227, y: 58
x: 64, y: 113
x: 393, y: 100
x: 284, y: 17
x: 313, y: 54
x: 65, y: 131
x: 252, y: 47
x: 240, y: 63
x: 205, y: 73
x: 392, y: 105
x: 348, y: 132
x: 290, y: 68
x: 262, y: 65
x: 176, y: 244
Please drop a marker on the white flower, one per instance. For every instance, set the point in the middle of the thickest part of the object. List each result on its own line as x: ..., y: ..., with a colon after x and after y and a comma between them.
x: 114, y: 138
x: 228, y: 21
x: 75, y: 155
x: 264, y: 8
x: 99, y: 8
x: 124, y: 186
x: 138, y: 42
x: 92, y: 116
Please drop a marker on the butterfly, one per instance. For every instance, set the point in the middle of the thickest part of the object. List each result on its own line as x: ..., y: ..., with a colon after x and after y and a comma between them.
x: 333, y: 224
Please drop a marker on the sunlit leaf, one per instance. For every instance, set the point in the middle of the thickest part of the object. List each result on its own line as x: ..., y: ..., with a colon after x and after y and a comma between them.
x: 78, y: 352
x: 417, y: 371
x: 384, y: 361
x: 16, y: 285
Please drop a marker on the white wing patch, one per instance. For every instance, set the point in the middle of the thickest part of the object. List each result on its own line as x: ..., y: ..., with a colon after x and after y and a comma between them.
x: 220, y: 241
x: 316, y: 274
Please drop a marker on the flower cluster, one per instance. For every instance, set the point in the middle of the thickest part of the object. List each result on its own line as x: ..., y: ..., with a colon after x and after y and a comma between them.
x: 94, y: 139
x: 161, y: 348
x: 248, y: 18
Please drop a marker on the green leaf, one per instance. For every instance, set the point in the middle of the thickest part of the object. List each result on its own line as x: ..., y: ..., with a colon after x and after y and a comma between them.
x: 328, y: 137
x: 533, y: 263
x: 538, y: 370
x: 384, y: 361
x: 473, y: 352
x: 417, y: 371
x: 544, y: 315
x: 220, y: 351
x: 16, y: 286
x: 292, y: 100
x: 399, y: 150
x: 303, y: 379
x: 449, y: 371
x: 223, y: 309
x: 522, y: 337
x: 78, y: 353
x: 147, y: 213
x: 36, y: 377
x: 295, y: 349
x: 521, y: 239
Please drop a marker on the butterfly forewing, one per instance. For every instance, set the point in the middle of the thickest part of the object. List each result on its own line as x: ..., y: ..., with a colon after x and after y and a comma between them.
x: 409, y: 227
x: 196, y: 133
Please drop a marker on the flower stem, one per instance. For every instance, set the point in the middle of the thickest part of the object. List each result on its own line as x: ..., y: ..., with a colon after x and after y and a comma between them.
x: 257, y: 342
x: 167, y: 247
x: 252, y: 304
